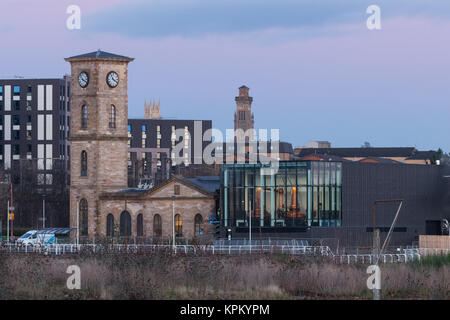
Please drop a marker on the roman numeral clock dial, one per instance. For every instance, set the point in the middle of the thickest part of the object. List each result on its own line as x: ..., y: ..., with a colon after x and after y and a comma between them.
x: 112, y: 79
x: 83, y: 79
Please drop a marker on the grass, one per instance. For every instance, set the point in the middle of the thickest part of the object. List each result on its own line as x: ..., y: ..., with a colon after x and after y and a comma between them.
x: 435, y: 261
x: 162, y: 275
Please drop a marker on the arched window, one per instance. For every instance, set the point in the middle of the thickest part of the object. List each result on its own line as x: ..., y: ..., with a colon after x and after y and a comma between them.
x: 178, y: 226
x: 198, y: 221
x: 84, y: 217
x: 112, y: 117
x: 84, y: 117
x: 125, y: 224
x: 157, y: 226
x: 110, y: 225
x: 84, y: 163
x: 140, y: 225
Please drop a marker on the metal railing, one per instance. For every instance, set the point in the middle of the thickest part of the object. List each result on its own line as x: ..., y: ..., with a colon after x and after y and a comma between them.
x: 236, y: 248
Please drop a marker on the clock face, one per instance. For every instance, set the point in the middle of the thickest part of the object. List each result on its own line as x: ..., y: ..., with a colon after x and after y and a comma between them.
x: 112, y: 79
x: 83, y: 79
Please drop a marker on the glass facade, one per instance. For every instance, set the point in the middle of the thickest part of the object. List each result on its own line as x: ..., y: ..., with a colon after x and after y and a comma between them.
x: 300, y: 194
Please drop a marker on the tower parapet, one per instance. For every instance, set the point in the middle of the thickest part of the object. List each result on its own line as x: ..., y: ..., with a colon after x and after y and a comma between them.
x: 152, y: 110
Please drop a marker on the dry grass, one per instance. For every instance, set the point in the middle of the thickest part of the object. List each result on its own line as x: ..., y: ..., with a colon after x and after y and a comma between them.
x: 164, y: 276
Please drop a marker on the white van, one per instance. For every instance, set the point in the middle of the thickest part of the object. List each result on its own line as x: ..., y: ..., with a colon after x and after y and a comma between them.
x: 33, y: 237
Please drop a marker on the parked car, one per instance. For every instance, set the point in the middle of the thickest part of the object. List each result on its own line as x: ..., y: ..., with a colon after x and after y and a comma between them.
x: 33, y: 237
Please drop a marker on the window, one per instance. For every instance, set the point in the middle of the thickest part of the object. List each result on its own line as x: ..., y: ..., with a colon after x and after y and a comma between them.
x: 1, y: 90
x: 16, y: 105
x: 140, y: 225
x: 16, y: 149
x: 84, y: 117
x: 125, y: 224
x: 16, y: 120
x: 129, y: 136
x: 198, y: 221
x: 84, y: 164
x: 176, y: 189
x: 144, y: 136
x: 157, y: 226
x: 158, y: 136
x: 84, y: 217
x: 16, y: 134
x: 110, y: 225
x: 112, y: 117
x: 144, y: 161
x: 173, y: 137
x: 16, y: 90
x: 178, y: 226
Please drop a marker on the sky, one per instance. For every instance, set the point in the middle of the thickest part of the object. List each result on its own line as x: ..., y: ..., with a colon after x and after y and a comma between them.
x: 315, y: 71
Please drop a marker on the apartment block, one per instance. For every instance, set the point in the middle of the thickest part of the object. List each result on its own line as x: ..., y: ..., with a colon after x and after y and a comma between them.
x: 34, y: 126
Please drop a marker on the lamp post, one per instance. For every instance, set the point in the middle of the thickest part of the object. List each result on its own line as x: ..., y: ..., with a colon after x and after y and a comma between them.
x: 78, y: 219
x: 43, y: 211
x: 173, y: 222
x: 250, y: 225
x: 7, y: 223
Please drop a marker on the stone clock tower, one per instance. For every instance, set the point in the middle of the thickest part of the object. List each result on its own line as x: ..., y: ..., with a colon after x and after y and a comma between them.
x: 98, y: 134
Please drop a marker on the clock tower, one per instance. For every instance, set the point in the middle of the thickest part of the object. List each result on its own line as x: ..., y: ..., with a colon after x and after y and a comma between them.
x: 98, y: 134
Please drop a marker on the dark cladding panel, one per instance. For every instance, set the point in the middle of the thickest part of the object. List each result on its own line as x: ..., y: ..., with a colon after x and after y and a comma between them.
x: 420, y: 186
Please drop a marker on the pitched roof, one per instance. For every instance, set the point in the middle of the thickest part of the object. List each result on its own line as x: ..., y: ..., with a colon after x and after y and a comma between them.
x: 321, y: 157
x: 283, y: 147
x: 209, y: 183
x: 100, y: 54
x: 379, y: 160
x: 360, y: 152
x: 137, y: 193
x: 422, y: 155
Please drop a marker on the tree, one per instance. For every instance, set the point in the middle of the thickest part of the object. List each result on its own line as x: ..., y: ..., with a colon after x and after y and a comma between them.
x: 436, y: 156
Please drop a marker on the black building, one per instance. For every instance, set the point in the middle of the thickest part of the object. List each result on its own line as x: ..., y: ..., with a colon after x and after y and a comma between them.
x: 151, y: 154
x: 34, y: 151
x: 34, y: 120
x: 332, y: 201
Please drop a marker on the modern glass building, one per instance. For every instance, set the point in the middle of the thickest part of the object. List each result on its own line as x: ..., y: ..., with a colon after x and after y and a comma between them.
x: 300, y: 194
x: 332, y: 200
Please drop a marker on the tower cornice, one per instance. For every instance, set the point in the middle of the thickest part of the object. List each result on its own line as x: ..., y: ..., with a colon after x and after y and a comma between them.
x: 96, y: 137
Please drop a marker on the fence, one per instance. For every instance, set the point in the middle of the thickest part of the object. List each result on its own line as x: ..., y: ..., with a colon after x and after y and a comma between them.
x: 291, y: 247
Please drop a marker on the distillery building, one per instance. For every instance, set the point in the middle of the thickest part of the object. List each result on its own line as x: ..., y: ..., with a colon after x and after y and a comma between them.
x: 332, y: 200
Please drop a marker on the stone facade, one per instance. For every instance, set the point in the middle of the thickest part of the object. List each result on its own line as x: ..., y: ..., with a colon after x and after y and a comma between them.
x: 102, y: 188
x: 105, y: 145
x: 188, y: 204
